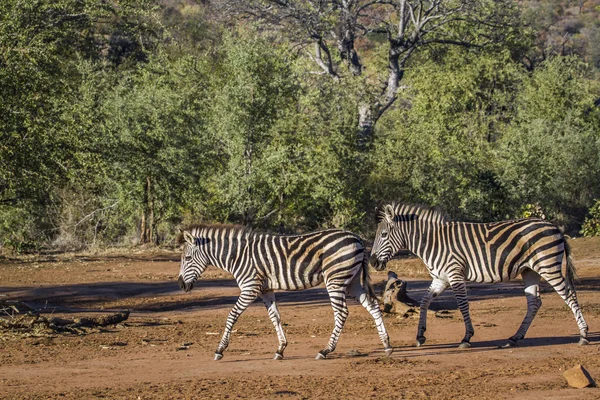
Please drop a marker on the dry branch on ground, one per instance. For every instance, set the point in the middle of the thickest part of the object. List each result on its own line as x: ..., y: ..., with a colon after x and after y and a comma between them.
x: 20, y: 319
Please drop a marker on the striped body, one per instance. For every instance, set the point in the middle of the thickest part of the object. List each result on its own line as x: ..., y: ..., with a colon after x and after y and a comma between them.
x: 456, y: 252
x: 262, y: 263
x: 490, y: 253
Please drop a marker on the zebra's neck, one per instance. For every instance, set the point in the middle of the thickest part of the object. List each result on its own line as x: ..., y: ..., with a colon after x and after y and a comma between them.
x: 419, y: 226
x: 225, y: 246
x: 418, y: 237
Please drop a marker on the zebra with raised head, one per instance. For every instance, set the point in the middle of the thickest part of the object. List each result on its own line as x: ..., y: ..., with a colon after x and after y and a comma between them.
x: 262, y: 263
x: 456, y: 252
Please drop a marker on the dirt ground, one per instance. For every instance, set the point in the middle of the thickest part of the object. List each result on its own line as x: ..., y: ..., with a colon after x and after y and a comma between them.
x: 165, y: 348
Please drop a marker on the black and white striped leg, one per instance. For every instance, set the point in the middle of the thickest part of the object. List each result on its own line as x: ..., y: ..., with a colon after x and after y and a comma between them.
x: 357, y: 291
x: 531, y: 281
x: 436, y: 288
x: 340, y: 312
x: 246, y: 298
x: 558, y: 283
x: 460, y: 293
x: 269, y: 300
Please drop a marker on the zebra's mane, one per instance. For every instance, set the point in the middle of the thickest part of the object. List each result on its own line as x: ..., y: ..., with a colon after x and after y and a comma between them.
x: 426, y: 213
x: 244, y: 230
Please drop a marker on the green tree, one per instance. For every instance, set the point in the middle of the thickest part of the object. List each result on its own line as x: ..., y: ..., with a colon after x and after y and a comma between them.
x: 438, y: 149
x: 156, y: 139
x: 550, y: 153
x: 46, y: 143
x: 253, y: 91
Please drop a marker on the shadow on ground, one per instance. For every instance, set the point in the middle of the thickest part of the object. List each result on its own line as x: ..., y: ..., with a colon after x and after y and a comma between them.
x: 166, y: 295
x: 494, y: 345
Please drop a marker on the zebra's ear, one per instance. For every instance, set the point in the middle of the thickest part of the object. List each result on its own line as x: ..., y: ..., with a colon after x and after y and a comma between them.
x: 389, y: 213
x: 189, y: 238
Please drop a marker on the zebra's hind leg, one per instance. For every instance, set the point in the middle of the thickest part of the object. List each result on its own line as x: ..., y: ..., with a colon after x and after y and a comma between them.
x: 269, y: 300
x: 247, y: 296
x: 531, y: 281
x: 357, y: 291
x: 460, y: 293
x: 558, y: 283
x: 337, y: 296
x: 436, y: 288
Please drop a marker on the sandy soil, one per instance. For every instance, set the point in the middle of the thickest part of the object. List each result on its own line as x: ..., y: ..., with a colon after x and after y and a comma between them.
x: 143, y: 357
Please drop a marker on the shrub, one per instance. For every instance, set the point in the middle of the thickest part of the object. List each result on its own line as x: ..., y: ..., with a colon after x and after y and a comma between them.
x: 591, y: 225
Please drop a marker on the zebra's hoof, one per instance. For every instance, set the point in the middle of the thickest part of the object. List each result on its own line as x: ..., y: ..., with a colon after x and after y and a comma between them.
x: 388, y: 352
x: 320, y: 356
x: 218, y: 356
x: 583, y: 341
x: 420, y: 341
x: 278, y: 356
x: 509, y: 343
x: 464, y: 345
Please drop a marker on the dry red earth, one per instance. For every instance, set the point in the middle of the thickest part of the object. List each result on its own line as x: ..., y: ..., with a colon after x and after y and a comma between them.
x: 141, y: 358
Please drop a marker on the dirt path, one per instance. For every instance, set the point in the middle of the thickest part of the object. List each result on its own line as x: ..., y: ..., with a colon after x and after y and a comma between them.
x: 141, y: 358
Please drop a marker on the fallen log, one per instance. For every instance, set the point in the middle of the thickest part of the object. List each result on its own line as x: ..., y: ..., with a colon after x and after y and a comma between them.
x: 32, y: 322
x: 105, y: 320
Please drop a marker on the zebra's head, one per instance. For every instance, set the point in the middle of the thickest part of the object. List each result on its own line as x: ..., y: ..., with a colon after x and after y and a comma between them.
x: 389, y: 238
x: 193, y: 259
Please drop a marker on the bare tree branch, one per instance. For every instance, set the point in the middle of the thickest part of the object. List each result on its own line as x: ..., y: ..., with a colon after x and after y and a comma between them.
x: 408, y: 24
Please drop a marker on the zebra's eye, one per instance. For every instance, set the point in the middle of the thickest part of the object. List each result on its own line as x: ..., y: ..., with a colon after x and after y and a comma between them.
x: 384, y: 234
x: 188, y: 258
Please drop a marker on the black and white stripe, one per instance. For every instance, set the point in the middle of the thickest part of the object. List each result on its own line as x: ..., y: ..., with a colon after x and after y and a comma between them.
x: 456, y: 252
x: 262, y: 263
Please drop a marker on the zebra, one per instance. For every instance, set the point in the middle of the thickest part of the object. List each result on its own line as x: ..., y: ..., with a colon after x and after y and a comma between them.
x: 456, y: 252
x: 262, y: 263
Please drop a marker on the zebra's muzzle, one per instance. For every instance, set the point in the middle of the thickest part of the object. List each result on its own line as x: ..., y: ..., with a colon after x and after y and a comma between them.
x: 376, y: 264
x: 186, y: 287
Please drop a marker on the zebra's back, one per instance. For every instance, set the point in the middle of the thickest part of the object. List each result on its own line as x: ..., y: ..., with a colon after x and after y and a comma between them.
x: 499, y: 251
x: 301, y: 261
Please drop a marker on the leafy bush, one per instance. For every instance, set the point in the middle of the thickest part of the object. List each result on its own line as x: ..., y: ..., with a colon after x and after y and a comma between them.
x: 532, y: 211
x: 591, y: 225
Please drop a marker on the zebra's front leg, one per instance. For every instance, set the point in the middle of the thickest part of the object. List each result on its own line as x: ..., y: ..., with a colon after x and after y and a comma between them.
x: 340, y: 312
x: 460, y: 293
x: 531, y: 281
x: 246, y: 298
x: 436, y: 288
x: 269, y: 300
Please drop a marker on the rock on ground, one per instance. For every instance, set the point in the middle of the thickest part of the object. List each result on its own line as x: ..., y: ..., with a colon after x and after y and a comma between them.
x: 578, y: 377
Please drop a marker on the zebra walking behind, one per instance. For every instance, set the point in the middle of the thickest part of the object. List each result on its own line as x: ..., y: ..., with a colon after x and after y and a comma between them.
x: 456, y: 252
x: 262, y: 263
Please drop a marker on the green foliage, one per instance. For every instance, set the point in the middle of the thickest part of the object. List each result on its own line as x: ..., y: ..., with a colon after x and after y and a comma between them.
x: 532, y: 211
x: 483, y: 138
x: 332, y: 195
x: 550, y: 153
x: 38, y: 42
x: 252, y: 92
x: 440, y: 149
x: 591, y: 225
x: 121, y: 121
x: 48, y: 51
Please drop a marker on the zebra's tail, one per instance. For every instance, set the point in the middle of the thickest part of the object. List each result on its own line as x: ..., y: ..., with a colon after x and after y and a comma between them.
x: 366, y: 278
x: 571, y: 273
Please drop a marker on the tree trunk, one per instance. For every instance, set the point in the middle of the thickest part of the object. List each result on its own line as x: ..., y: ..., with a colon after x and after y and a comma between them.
x: 143, y: 227
x: 249, y: 212
x: 365, y: 127
x: 147, y: 214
